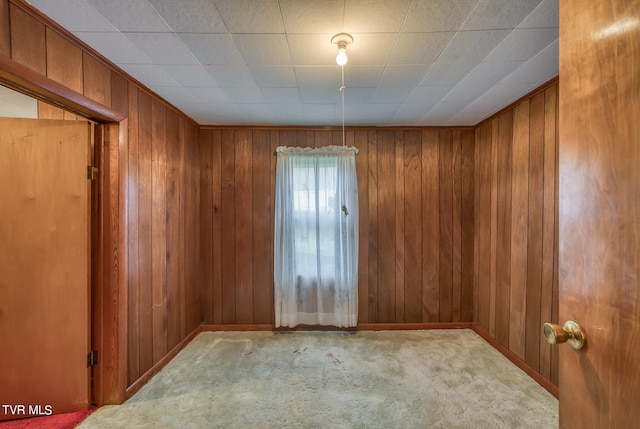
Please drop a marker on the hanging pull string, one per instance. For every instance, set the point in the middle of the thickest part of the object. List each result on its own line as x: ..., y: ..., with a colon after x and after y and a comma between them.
x: 342, y: 92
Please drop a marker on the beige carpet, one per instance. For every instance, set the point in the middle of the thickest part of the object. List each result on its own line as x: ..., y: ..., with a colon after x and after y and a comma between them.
x: 389, y: 379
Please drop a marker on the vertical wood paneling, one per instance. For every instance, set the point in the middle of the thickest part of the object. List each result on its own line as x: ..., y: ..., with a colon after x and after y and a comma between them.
x: 516, y: 237
x: 27, y: 40
x: 445, y: 154
x: 190, y: 176
x: 503, y: 237
x: 145, y: 256
x: 173, y: 188
x: 493, y: 280
x: 133, y: 347
x: 456, y: 287
x: 159, y: 229
x: 207, y: 303
x: 372, y: 200
x: 519, y: 220
x: 483, y: 144
x: 5, y: 34
x: 412, y: 185
x: 64, y: 62
x: 227, y: 235
x: 534, y: 233
x: 217, y: 225
x: 97, y: 80
x: 262, y: 226
x: 430, y: 227
x: 386, y: 264
x: 362, y: 170
x: 243, y: 226
x: 400, y: 227
x: 468, y: 225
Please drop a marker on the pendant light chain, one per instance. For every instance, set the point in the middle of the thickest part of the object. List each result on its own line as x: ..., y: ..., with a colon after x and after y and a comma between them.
x: 342, y: 91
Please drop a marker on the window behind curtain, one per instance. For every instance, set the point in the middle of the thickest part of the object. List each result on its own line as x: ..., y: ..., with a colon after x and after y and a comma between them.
x: 316, y: 237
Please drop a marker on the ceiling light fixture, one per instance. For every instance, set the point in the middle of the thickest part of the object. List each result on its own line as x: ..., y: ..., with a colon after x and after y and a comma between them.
x: 342, y: 40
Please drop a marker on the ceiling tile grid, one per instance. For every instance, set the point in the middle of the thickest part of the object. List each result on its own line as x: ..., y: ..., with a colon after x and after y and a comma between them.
x: 271, y: 62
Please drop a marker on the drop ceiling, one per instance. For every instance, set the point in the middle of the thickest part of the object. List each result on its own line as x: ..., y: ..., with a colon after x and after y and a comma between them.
x: 271, y: 62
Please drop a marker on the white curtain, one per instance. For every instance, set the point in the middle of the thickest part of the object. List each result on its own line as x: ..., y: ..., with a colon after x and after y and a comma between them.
x: 316, y: 237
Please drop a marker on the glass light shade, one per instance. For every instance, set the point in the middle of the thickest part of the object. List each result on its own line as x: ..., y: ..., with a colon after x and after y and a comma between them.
x: 341, y: 58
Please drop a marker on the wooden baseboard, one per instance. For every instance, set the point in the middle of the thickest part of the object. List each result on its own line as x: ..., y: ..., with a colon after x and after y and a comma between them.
x: 550, y: 387
x: 137, y: 385
x: 360, y: 327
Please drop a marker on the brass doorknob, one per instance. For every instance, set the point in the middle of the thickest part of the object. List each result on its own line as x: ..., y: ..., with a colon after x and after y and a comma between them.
x: 571, y: 333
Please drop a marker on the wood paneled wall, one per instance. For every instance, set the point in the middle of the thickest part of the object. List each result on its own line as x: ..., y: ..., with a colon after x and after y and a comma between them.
x: 516, y: 229
x: 162, y: 181
x: 416, y: 196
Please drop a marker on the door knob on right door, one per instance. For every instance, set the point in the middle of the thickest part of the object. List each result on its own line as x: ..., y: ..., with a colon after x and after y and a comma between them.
x: 571, y: 333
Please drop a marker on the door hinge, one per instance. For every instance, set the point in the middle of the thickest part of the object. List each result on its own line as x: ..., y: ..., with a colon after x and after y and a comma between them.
x: 92, y: 172
x: 92, y: 358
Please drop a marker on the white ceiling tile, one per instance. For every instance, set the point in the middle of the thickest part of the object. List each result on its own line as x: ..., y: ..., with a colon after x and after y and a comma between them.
x: 303, y: 16
x: 374, y: 16
x: 196, y: 16
x: 318, y: 114
x: 247, y: 94
x: 479, y: 81
x: 325, y: 78
x: 498, y: 14
x: 231, y: 76
x: 274, y: 76
x: 310, y: 95
x: 441, y: 114
x: 398, y: 76
x: 162, y: 48
x: 428, y: 96
x: 131, y: 15
x: 372, y: 114
x: 419, y: 48
x: 263, y: 49
x: 437, y: 15
x: 471, y: 46
x: 208, y: 94
x: 149, y: 74
x: 369, y: 49
x: 446, y: 74
x: 74, y: 15
x: 222, y: 114
x: 522, y: 44
x: 281, y: 95
x: 188, y: 75
x: 250, y: 16
x: 358, y: 95
x: 496, y: 98
x: 212, y: 48
x: 394, y: 95
x: 539, y: 69
x: 312, y: 49
x: 114, y: 46
x: 546, y: 15
x: 362, y: 76
x: 409, y: 114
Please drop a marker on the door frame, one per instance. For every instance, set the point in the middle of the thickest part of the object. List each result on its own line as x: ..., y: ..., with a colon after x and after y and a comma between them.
x: 108, y: 219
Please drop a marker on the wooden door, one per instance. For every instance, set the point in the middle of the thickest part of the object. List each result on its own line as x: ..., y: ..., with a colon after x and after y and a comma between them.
x: 600, y: 211
x: 44, y: 267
